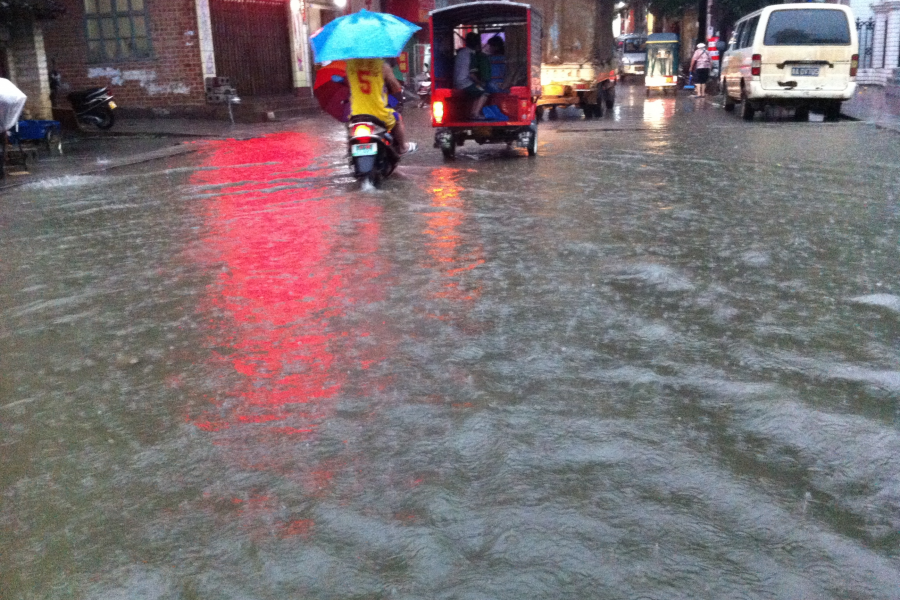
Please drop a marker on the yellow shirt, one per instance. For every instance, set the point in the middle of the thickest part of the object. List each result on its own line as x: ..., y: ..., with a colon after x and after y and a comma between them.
x: 367, y: 93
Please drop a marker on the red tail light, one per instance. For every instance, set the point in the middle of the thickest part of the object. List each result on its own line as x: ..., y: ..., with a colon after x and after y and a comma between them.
x: 362, y: 140
x: 756, y: 65
x: 437, y: 111
x: 854, y: 65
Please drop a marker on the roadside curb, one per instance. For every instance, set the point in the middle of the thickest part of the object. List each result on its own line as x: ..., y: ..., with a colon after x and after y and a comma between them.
x: 141, y: 158
x: 135, y: 159
x: 99, y: 136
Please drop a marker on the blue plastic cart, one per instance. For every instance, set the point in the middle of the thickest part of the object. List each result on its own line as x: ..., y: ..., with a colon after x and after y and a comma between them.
x: 47, y: 134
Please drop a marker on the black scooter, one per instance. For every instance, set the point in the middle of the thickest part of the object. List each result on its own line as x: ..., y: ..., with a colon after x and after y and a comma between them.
x: 94, y: 107
x: 373, y: 153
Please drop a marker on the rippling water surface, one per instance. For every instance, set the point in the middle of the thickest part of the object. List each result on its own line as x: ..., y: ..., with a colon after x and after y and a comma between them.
x: 658, y: 361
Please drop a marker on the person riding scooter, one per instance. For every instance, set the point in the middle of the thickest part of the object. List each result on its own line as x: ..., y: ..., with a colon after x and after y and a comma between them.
x: 368, y: 78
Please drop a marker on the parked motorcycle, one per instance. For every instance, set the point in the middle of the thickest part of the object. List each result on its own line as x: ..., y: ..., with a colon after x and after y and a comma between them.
x: 94, y: 107
x: 373, y: 155
x: 423, y: 91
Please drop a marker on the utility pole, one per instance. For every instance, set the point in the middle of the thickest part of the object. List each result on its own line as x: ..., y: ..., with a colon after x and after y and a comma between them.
x: 701, y: 20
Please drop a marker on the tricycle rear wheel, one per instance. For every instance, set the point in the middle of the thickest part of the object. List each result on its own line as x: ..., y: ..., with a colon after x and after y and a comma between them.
x: 2, y: 155
x: 609, y: 98
x: 53, y: 141
x: 533, y: 140
x: 449, y: 150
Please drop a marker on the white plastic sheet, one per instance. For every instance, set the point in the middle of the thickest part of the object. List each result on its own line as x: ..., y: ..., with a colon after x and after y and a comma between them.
x: 12, y: 101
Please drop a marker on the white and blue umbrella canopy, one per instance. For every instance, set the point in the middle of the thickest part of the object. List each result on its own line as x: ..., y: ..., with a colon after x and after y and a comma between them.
x: 362, y: 34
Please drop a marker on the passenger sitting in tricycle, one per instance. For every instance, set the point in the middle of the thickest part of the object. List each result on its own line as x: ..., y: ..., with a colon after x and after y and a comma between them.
x: 487, y: 97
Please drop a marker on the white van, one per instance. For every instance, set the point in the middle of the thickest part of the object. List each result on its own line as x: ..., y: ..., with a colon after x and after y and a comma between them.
x: 802, y: 56
x: 631, y: 50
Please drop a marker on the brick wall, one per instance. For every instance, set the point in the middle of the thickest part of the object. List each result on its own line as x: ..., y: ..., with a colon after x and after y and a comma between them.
x: 171, y: 81
x: 28, y: 70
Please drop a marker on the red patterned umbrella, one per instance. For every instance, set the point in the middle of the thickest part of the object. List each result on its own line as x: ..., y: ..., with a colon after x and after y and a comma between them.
x: 332, y: 91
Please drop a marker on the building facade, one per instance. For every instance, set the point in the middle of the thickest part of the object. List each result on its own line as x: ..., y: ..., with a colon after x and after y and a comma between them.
x: 21, y: 61
x: 160, y: 57
x: 880, y: 68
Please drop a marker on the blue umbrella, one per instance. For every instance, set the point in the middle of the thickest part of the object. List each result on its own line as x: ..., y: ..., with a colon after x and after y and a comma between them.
x: 362, y: 35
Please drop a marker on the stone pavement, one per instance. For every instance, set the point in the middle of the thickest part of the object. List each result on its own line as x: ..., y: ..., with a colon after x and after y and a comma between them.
x: 872, y: 105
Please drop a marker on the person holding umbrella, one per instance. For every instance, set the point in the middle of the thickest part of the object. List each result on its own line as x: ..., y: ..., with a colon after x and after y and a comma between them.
x: 364, y: 39
x: 370, y: 79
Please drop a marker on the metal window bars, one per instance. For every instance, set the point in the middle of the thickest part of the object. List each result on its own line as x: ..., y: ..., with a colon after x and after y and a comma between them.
x: 866, y: 34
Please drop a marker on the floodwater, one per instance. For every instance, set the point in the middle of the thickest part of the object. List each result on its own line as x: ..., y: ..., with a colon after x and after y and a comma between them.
x: 658, y: 361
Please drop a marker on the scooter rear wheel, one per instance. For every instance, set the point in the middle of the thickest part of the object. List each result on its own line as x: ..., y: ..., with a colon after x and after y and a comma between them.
x: 107, y: 117
x: 374, y: 177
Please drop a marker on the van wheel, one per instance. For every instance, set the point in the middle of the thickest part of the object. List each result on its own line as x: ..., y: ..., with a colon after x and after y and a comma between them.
x: 747, y: 110
x: 729, y: 103
x: 833, y: 111
x: 553, y: 115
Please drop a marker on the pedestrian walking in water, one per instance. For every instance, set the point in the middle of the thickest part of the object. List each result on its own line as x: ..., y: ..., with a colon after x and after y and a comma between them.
x: 701, y: 63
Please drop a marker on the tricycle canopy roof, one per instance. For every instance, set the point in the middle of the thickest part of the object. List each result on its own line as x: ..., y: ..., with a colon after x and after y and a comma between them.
x: 482, y: 14
x: 658, y: 38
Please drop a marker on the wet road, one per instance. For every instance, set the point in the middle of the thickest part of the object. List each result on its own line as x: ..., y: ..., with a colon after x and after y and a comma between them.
x: 658, y: 361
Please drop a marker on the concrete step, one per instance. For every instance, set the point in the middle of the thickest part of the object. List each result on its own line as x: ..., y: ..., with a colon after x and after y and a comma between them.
x: 274, y: 108
x: 284, y: 114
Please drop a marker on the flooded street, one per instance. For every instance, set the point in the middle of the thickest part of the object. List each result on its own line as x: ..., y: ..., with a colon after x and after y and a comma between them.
x: 659, y: 361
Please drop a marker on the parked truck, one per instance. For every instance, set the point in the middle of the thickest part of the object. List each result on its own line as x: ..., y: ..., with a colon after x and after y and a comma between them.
x: 573, y: 72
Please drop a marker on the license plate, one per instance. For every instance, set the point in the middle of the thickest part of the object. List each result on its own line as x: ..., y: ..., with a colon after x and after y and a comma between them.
x: 112, y: 104
x: 363, y: 150
x: 805, y: 71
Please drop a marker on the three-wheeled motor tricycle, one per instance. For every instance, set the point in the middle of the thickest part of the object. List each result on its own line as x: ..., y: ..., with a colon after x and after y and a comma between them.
x: 510, y: 114
x: 662, y: 62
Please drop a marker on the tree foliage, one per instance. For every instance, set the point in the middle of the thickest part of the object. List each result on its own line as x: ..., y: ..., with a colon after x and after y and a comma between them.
x: 17, y: 10
x: 670, y: 8
x: 729, y: 11
x: 604, y: 42
x: 726, y: 11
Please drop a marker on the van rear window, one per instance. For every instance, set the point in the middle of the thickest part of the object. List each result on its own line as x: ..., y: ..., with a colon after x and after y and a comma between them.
x: 807, y: 27
x: 633, y: 46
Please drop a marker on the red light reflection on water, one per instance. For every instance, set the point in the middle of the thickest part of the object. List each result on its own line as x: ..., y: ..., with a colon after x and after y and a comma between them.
x: 286, y: 276
x: 446, y: 251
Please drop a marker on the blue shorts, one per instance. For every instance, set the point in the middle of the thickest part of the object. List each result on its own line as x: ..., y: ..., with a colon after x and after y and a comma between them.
x: 473, y: 91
